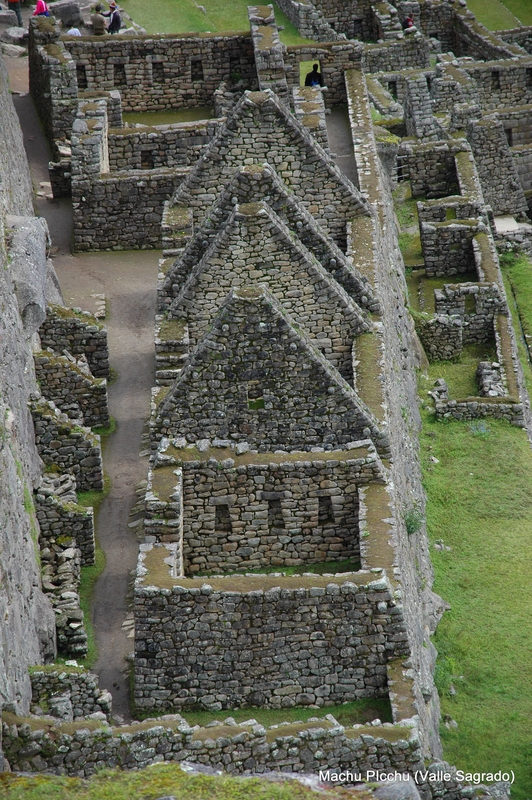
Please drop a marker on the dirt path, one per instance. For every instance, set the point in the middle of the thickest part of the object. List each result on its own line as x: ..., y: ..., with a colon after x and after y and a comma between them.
x: 128, y: 282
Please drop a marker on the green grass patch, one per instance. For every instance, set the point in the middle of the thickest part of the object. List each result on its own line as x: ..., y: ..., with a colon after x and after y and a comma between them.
x: 89, y: 576
x: 104, y: 433
x: 93, y: 498
x: 480, y: 505
x: 171, y: 117
x: 410, y: 246
x: 157, y: 781
x: 167, y: 16
x: 356, y: 713
x: 460, y: 375
x: 323, y: 568
x: 494, y: 14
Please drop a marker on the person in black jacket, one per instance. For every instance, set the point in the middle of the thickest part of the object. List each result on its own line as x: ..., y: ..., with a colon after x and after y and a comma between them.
x: 314, y: 78
x: 115, y: 20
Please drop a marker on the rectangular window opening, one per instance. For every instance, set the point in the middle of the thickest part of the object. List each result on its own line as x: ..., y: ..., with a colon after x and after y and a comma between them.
x: 470, y: 305
x: 119, y: 75
x: 222, y: 519
x: 495, y: 79
x: 325, y: 510
x: 157, y: 71
x: 81, y: 73
x: 255, y: 396
x: 146, y: 159
x: 196, y: 69
x: 235, y: 70
x: 275, y: 516
x: 392, y: 88
x: 529, y: 78
x: 509, y: 136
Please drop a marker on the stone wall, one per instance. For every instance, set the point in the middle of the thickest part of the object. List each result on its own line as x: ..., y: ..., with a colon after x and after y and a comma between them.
x: 390, y: 56
x: 476, y: 304
x: 79, y: 333
x: 495, y: 166
x: 517, y: 123
x: 71, y: 386
x: 309, y: 21
x: 177, y: 145
x: 309, y: 108
x: 253, y: 183
x: 27, y: 633
x: 60, y: 518
x: 316, y: 637
x: 237, y: 749
x: 522, y: 37
x: 501, y: 83
x: 441, y: 336
x: 53, y: 81
x: 522, y: 157
x: 275, y: 512
x: 162, y: 71
x: 447, y: 247
x: 418, y: 116
x: 68, y: 447
x: 80, y: 686
x: 268, y: 50
x: 430, y: 168
x: 267, y: 253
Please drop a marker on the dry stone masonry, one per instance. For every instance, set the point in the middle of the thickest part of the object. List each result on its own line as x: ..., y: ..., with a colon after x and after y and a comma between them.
x: 282, y: 427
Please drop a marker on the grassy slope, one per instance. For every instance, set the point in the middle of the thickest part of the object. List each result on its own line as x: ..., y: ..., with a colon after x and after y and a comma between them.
x: 494, y: 14
x: 169, y: 16
x: 480, y: 504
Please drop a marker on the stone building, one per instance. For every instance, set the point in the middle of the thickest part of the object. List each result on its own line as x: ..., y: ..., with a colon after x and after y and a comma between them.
x: 283, y: 425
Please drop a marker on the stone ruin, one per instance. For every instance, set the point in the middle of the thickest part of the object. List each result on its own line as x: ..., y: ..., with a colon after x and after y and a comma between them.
x: 284, y: 413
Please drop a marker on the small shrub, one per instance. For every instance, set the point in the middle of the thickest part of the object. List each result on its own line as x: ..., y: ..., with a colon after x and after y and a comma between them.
x: 413, y: 520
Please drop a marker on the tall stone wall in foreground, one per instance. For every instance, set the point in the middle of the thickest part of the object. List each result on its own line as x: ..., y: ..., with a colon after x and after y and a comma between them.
x: 27, y: 631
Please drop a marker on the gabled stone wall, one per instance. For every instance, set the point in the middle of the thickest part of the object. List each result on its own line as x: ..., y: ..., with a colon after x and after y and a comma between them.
x: 72, y: 388
x: 79, y: 333
x: 68, y: 447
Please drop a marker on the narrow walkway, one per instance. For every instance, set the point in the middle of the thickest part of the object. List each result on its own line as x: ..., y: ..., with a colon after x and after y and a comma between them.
x: 341, y: 142
x: 128, y: 280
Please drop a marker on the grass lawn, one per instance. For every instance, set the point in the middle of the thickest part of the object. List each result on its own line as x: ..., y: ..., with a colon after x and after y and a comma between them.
x: 522, y: 10
x: 494, y: 14
x: 183, y: 16
x: 480, y: 505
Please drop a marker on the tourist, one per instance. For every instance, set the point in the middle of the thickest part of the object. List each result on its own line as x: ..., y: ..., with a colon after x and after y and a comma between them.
x: 407, y: 23
x: 41, y: 9
x: 15, y: 6
x: 98, y: 21
x: 314, y: 78
x: 73, y: 32
x: 115, y: 21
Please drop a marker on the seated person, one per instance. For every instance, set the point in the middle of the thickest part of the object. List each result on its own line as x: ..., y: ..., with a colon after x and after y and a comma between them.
x: 73, y: 32
x: 314, y: 78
